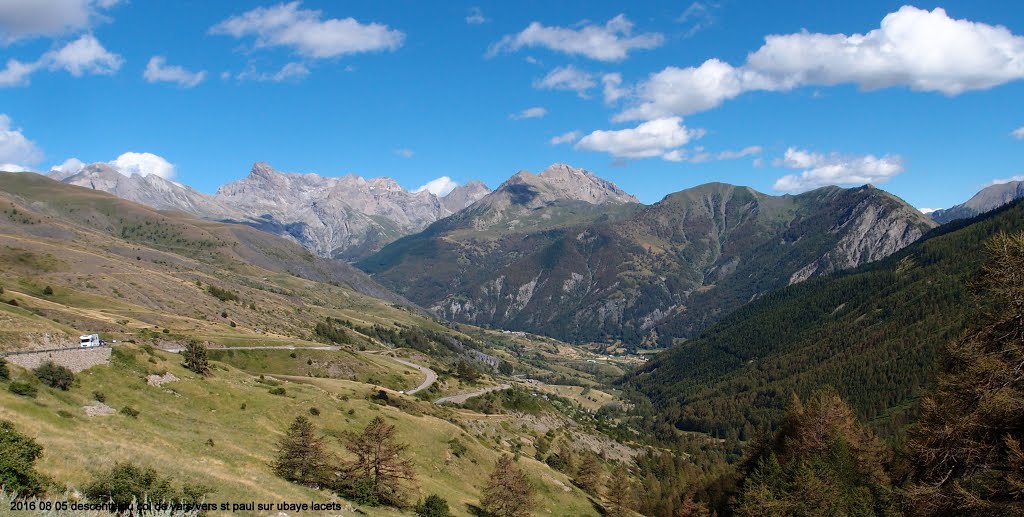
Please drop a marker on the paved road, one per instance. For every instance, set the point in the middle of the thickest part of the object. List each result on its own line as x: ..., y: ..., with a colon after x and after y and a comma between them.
x: 462, y: 397
x: 431, y: 375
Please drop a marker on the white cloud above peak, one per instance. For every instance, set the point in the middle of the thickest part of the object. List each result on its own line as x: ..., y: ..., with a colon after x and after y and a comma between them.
x: 157, y: 70
x: 439, y: 187
x: 612, y: 41
x: 306, y: 32
x: 834, y: 169
x: 662, y: 137
x: 913, y: 48
x: 143, y: 164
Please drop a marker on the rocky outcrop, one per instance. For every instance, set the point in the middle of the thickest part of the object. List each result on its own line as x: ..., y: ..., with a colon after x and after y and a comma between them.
x: 989, y: 198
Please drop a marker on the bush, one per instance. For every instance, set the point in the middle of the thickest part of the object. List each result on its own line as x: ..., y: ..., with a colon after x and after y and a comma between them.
x: 277, y: 391
x: 223, y: 295
x: 23, y: 388
x: 5, y: 373
x: 18, y: 455
x: 55, y: 376
x: 48, y: 291
x: 125, y: 481
x: 13, y: 302
x: 457, y: 448
x: 98, y: 396
x: 130, y: 412
x: 433, y: 506
x: 314, y: 411
x: 195, y: 358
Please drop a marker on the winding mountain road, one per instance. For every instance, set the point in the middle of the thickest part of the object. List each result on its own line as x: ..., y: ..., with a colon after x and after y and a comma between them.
x: 460, y: 398
x: 431, y: 375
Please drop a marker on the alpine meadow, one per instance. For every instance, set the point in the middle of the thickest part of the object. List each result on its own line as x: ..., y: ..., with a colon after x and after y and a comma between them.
x: 309, y: 258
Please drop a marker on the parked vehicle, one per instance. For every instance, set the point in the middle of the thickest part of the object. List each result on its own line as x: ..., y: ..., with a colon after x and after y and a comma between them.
x: 90, y: 340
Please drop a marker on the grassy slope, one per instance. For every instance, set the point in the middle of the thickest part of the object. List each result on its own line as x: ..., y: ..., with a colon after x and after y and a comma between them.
x: 178, y: 418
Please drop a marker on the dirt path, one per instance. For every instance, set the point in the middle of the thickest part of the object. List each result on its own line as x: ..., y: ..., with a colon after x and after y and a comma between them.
x: 462, y: 397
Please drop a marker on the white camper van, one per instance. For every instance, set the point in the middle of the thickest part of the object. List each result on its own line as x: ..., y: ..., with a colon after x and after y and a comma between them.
x: 90, y: 340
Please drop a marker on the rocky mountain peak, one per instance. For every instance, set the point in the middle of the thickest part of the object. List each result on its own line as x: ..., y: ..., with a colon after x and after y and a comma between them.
x: 563, y: 182
x: 989, y: 198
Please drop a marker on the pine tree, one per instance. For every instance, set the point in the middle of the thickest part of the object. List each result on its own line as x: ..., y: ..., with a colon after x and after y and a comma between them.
x: 590, y: 476
x: 195, y: 358
x: 509, y: 492
x: 619, y: 491
x: 966, y: 453
x: 300, y: 454
x: 379, y: 462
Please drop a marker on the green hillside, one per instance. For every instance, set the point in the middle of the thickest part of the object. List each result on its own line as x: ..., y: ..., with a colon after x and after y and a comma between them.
x: 874, y: 334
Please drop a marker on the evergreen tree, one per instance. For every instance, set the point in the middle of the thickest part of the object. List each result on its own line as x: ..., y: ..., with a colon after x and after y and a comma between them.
x: 508, y: 492
x: 195, y: 358
x: 379, y: 462
x: 300, y: 454
x: 590, y: 476
x: 619, y: 491
x: 18, y: 455
x: 433, y: 506
x: 966, y: 453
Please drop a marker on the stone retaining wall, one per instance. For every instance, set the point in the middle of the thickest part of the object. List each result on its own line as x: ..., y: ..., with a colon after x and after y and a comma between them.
x: 74, y: 359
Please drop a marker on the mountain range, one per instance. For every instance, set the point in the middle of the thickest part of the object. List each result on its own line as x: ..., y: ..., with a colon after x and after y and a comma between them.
x: 346, y: 217
x: 989, y: 198
x: 599, y: 267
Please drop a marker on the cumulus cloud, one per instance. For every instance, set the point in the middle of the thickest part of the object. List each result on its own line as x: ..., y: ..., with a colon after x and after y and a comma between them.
x: 609, y: 42
x: 834, y: 169
x: 143, y: 164
x: 534, y: 112
x: 16, y: 150
x: 24, y: 19
x: 565, y: 138
x: 16, y: 73
x: 914, y: 48
x: 439, y: 187
x: 69, y: 168
x: 613, y: 90
x: 662, y: 137
x: 158, y: 70
x: 1018, y: 133
x: 476, y: 16
x: 567, y: 78
x: 307, y: 33
x: 84, y: 55
x: 405, y: 152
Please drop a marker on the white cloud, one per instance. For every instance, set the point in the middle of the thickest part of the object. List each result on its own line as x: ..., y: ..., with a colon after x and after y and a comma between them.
x: 16, y: 73
x: 476, y: 16
x: 290, y: 71
x: 757, y: 162
x: 439, y: 187
x: 143, y: 164
x: 834, y: 169
x: 158, y: 70
x: 914, y: 48
x: 21, y: 19
x: 701, y: 156
x: 16, y: 151
x: 70, y: 167
x: 534, y: 112
x: 82, y: 56
x: 1000, y: 181
x: 699, y: 16
x: 13, y: 167
x: 565, y: 138
x: 305, y: 32
x: 613, y: 90
x: 1018, y: 133
x: 567, y: 78
x: 609, y: 42
x: 405, y: 152
x: 655, y: 138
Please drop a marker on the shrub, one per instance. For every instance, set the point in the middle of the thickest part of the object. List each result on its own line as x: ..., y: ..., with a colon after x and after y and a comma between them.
x: 18, y: 455
x: 242, y: 407
x: 55, y: 376
x: 223, y: 314
x: 457, y: 448
x: 433, y: 506
x: 126, y: 481
x: 277, y: 391
x: 223, y: 295
x: 48, y: 291
x: 13, y: 302
x: 195, y: 358
x: 64, y: 413
x: 130, y: 412
x: 98, y: 396
x: 23, y: 388
x: 293, y: 355
x: 5, y: 373
x: 314, y: 411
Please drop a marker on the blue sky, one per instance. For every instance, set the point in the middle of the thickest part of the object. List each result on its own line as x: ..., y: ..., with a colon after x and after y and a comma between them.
x: 922, y: 99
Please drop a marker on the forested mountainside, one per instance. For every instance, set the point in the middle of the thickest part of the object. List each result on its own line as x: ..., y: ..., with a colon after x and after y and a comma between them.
x: 650, y: 275
x: 873, y: 333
